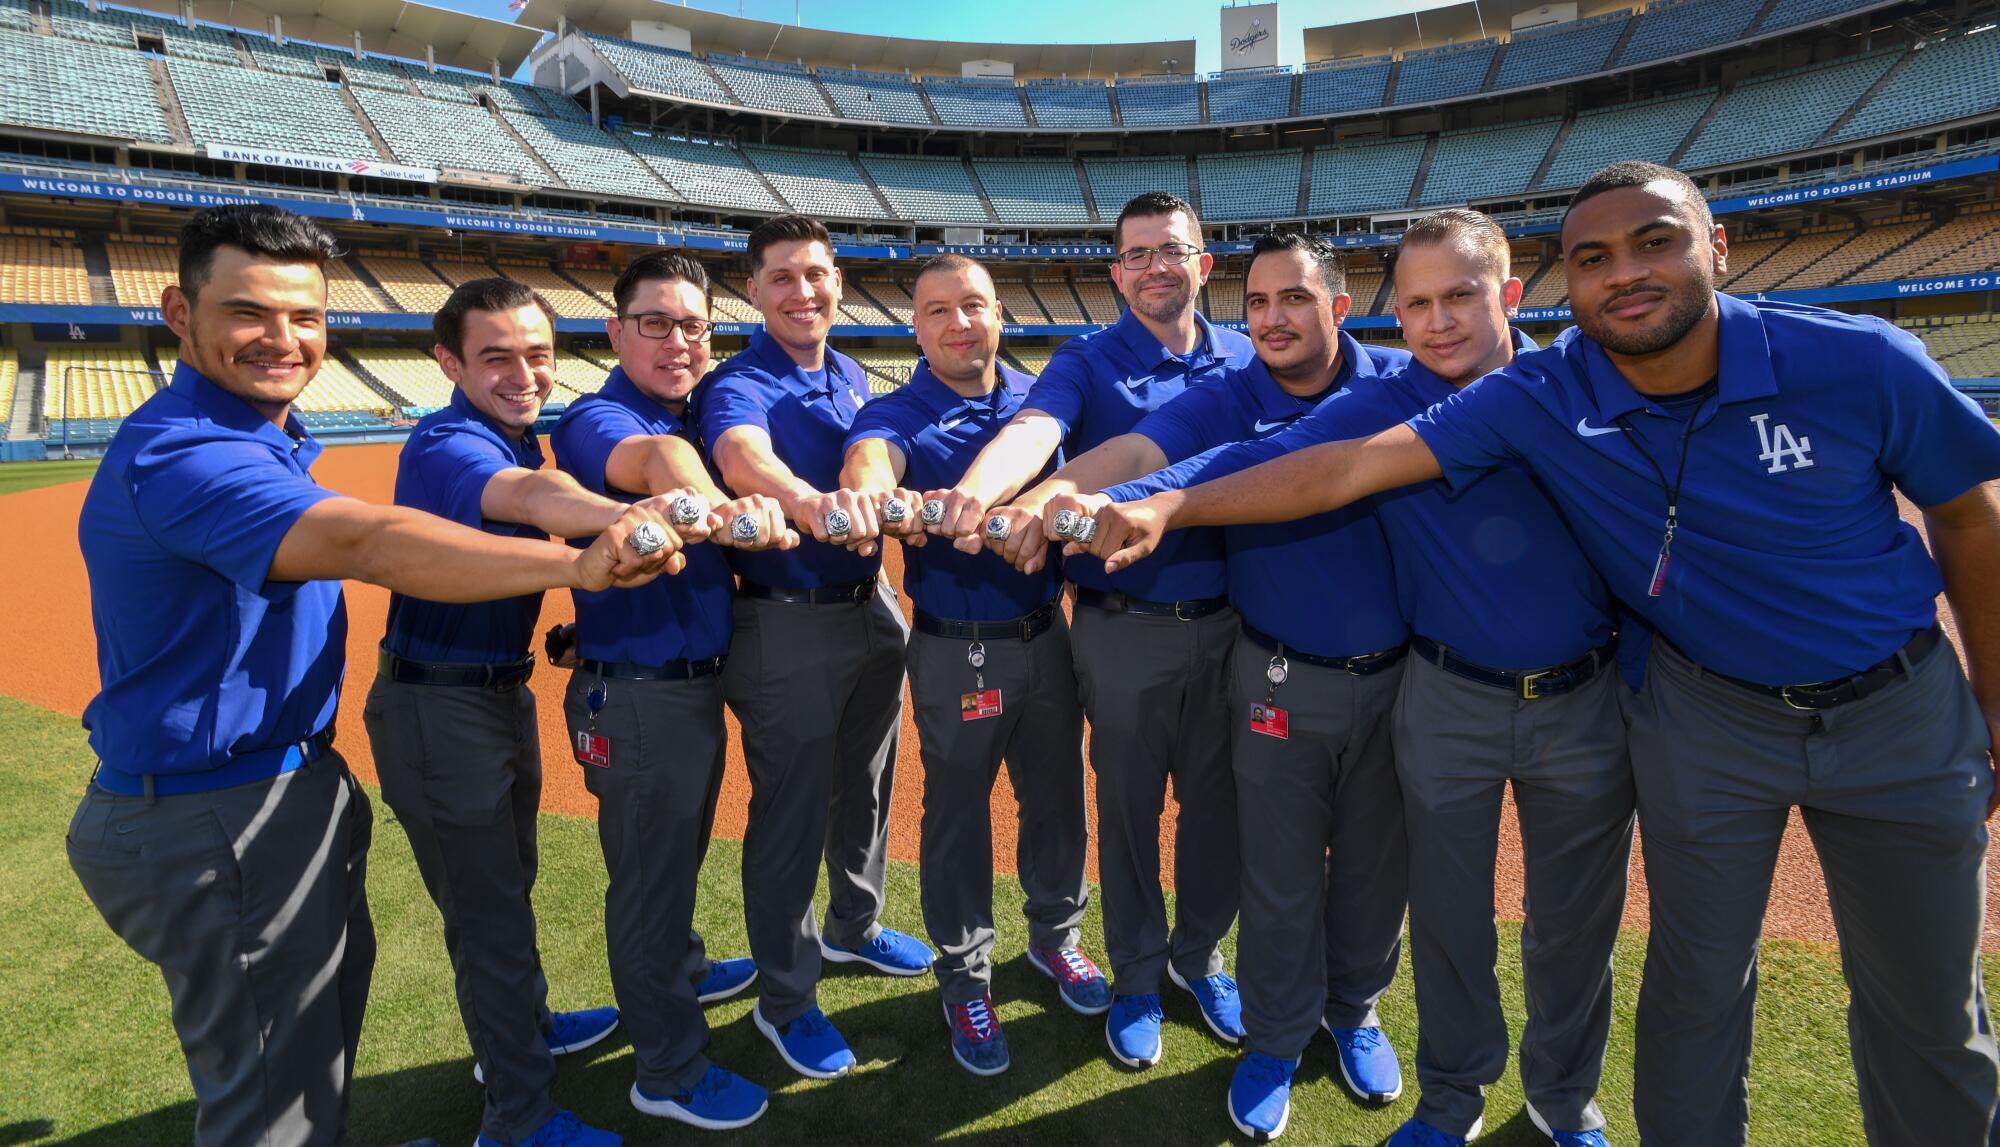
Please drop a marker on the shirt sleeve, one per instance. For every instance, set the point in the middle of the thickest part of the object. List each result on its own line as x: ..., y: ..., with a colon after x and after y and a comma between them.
x: 1328, y: 422
x: 457, y: 466
x: 1189, y: 423
x: 224, y: 504
x: 731, y: 400
x: 1937, y: 443
x: 1467, y: 431
x: 1059, y: 392
x: 882, y: 419
x: 585, y: 437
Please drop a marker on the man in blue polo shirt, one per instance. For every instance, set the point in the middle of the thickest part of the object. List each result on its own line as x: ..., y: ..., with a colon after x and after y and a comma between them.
x: 1506, y: 687
x: 1728, y: 468
x: 1150, y: 649
x: 222, y: 837
x: 644, y: 706
x: 817, y: 680
x: 990, y: 673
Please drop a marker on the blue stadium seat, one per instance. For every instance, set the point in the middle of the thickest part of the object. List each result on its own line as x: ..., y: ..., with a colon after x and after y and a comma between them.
x: 816, y: 182
x: 770, y: 84
x: 1444, y: 73
x: 927, y: 189
x: 1249, y: 185
x: 1784, y: 112
x: 1070, y: 103
x: 1649, y: 129
x: 16, y: 15
x: 1343, y: 85
x: 122, y: 102
x: 1116, y: 182
x: 1943, y: 81
x: 1032, y: 191
x: 1682, y: 27
x: 712, y: 174
x: 587, y: 158
x: 1360, y: 179
x: 662, y: 71
x: 432, y: 133
x: 1485, y: 163
x: 876, y: 96
x: 975, y: 102
x: 232, y: 105
x: 1250, y: 98
x: 1792, y: 13
x: 1558, y: 51
x: 1149, y: 101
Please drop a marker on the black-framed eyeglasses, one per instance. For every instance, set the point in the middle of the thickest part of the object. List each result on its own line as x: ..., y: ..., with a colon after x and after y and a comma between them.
x: 661, y: 325
x: 1169, y: 254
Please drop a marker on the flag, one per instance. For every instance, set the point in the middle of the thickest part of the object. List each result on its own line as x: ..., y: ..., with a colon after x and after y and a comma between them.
x: 516, y: 5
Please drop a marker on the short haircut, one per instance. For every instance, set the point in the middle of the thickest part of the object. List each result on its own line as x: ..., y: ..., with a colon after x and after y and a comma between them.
x: 493, y: 295
x: 946, y: 264
x: 1463, y: 225
x: 785, y: 229
x: 1149, y: 204
x: 1325, y: 257
x: 1639, y: 173
x: 658, y: 266
x: 260, y: 229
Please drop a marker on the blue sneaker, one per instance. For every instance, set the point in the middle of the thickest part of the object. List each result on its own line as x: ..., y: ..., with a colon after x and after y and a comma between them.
x: 976, y: 1041
x: 725, y: 978
x: 1592, y: 1138
x: 810, y: 1044
x: 563, y: 1129
x: 570, y: 1031
x: 1417, y: 1133
x: 1220, y: 1005
x: 891, y: 952
x: 1133, y: 1030
x: 722, y: 1101
x: 1083, y: 988
x: 1260, y: 1096
x: 1367, y: 1063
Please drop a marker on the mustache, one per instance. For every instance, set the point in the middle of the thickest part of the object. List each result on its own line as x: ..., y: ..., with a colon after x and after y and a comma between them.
x: 1632, y: 292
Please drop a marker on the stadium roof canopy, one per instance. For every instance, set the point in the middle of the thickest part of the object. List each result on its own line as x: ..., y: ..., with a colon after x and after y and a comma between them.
x: 1435, y: 25
x: 390, y: 27
x: 765, y: 40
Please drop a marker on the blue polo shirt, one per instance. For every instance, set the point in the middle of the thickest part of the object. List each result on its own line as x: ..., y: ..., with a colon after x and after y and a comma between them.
x: 1098, y: 386
x: 1325, y: 584
x: 683, y: 616
x: 807, y: 415
x: 444, y: 468
x: 203, y: 661
x: 940, y: 432
x: 1791, y: 563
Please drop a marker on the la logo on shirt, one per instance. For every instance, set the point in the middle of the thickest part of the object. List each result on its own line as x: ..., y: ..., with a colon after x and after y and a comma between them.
x: 1781, y: 450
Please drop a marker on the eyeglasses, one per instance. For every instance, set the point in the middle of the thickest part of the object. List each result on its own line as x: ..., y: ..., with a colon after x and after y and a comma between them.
x: 660, y: 325
x: 1169, y: 254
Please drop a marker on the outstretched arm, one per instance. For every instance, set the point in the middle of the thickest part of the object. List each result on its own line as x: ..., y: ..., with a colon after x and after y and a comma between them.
x: 548, y: 500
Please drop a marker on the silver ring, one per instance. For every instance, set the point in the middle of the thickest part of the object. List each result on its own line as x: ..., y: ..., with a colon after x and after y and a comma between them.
x: 1084, y: 530
x: 895, y: 510
x: 1064, y: 523
x: 687, y: 509
x: 997, y: 528
x: 838, y: 524
x: 648, y: 539
x: 933, y: 512
x: 744, y: 527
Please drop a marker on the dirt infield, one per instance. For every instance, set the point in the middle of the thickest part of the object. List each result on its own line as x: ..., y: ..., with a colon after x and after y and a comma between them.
x: 42, y: 581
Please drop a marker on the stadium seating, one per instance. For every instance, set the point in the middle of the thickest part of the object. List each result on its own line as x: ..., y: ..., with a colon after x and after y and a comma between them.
x: 1225, y: 300
x: 568, y: 301
x: 888, y: 369
x: 857, y: 307
x: 232, y: 105
x: 1486, y: 162
x: 894, y: 298
x: 662, y: 71
x: 141, y: 271
x: 1332, y: 86
x: 1792, y: 13
x: 1364, y: 287
x: 122, y: 102
x: 120, y: 28
x: 17, y: 15
x: 1849, y: 260
x: 1249, y: 185
x: 467, y: 87
x: 1671, y: 28
x: 459, y: 272
x: 927, y: 189
x: 1150, y: 101
x: 733, y: 306
x: 102, y: 381
x: 1980, y: 253
x: 10, y: 376
x: 1551, y: 290
x: 1943, y: 81
x: 410, y: 372
x: 432, y: 133
x: 975, y: 102
x: 298, y: 58
x: 707, y: 173
x: 578, y: 376
x: 1966, y: 346
x: 1804, y: 252
x: 1967, y: 243
x: 1784, y: 112
x: 1356, y: 179
x: 787, y: 89
x: 1100, y: 299
x: 1444, y: 73
x: 586, y: 158
x: 1258, y: 97
x: 1069, y: 103
x: 412, y: 284
x: 346, y: 292
x: 1649, y: 129
x: 1555, y: 52
x: 43, y: 271
x: 1116, y: 182
x: 1032, y: 191
x: 874, y: 96
x: 1017, y: 302
x: 1053, y: 292
x: 817, y: 182
x: 1745, y: 255
x: 1033, y: 360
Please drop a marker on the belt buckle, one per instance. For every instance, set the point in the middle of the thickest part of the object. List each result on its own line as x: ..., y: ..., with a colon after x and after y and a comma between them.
x: 1365, y: 664
x: 1785, y: 695
x: 1180, y: 616
x: 1530, y: 680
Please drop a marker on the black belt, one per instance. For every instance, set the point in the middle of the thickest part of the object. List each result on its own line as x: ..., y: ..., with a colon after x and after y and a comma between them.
x: 847, y: 593
x: 404, y: 671
x: 670, y: 671
x: 1360, y: 665
x: 1527, y: 684
x: 1026, y: 627
x: 1191, y: 610
x: 1843, y: 690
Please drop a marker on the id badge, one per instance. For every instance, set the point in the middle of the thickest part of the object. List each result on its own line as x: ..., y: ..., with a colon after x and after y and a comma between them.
x: 1271, y: 721
x: 979, y: 704
x: 593, y: 748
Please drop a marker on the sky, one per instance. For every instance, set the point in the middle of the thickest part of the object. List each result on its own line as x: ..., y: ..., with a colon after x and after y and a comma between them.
x: 1034, y: 21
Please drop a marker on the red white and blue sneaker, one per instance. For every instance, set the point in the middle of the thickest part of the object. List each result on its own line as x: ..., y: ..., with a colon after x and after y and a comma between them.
x: 1133, y: 1030
x: 721, y: 1101
x: 890, y: 952
x: 976, y: 1041
x: 1083, y: 988
x: 563, y: 1129
x: 810, y: 1044
x: 571, y: 1031
x: 1591, y: 1138
x: 1368, y: 1063
x: 1221, y: 1007
x: 725, y: 978
x: 1416, y: 1133
x: 1260, y: 1096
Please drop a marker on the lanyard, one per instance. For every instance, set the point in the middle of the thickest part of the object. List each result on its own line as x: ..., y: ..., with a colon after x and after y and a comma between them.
x: 1673, y: 493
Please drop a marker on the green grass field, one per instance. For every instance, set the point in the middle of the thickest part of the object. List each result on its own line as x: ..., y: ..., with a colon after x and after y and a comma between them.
x: 18, y: 476
x: 89, y: 1057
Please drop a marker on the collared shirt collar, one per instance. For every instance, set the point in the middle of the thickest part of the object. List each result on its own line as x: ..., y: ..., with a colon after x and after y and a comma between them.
x: 1743, y: 363
x: 523, y: 446
x: 766, y: 352
x: 942, y: 401
x: 1275, y: 400
x: 1149, y: 351
x: 1434, y: 388
x: 232, y: 412
x: 620, y: 388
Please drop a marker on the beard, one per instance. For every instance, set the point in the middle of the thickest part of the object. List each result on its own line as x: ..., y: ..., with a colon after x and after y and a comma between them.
x: 1163, y: 310
x: 1684, y: 308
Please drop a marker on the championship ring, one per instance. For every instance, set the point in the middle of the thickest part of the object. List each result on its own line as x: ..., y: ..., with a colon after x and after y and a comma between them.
x: 895, y: 510
x: 744, y: 528
x: 933, y: 512
x: 997, y: 528
x: 648, y: 539
x: 1084, y: 530
x: 686, y: 510
x: 838, y: 523
x: 1064, y: 523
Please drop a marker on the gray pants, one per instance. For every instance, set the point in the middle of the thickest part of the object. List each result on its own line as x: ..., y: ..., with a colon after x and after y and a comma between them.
x: 1153, y: 688
x: 1458, y: 745
x: 1894, y: 790
x: 1039, y: 732
x: 818, y: 690
x: 1325, y: 874
x: 461, y: 767
x: 655, y: 808
x: 252, y: 902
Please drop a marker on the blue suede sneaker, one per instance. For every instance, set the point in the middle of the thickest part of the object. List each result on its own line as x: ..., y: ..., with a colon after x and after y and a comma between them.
x: 1083, y: 988
x: 891, y: 952
x: 976, y: 1041
x: 1260, y: 1096
x: 810, y: 1044
x: 570, y: 1031
x: 1220, y: 1005
x: 722, y: 1101
x: 563, y: 1129
x: 1367, y: 1063
x: 1416, y: 1133
x: 1592, y: 1138
x: 725, y: 978
x: 1133, y: 1030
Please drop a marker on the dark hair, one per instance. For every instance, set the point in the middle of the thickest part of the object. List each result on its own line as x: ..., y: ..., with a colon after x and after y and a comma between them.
x: 262, y: 230
x: 1324, y: 255
x: 946, y: 264
x: 1639, y: 173
x: 1151, y: 203
x: 1456, y: 223
x: 658, y: 266
x: 785, y: 229
x: 491, y: 294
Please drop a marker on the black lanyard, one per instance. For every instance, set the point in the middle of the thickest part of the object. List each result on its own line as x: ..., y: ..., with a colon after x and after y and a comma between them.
x: 1673, y: 493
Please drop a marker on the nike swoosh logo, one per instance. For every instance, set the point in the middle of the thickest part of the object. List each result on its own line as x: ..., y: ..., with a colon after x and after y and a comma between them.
x: 952, y: 424
x: 1584, y: 428
x: 1264, y: 427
